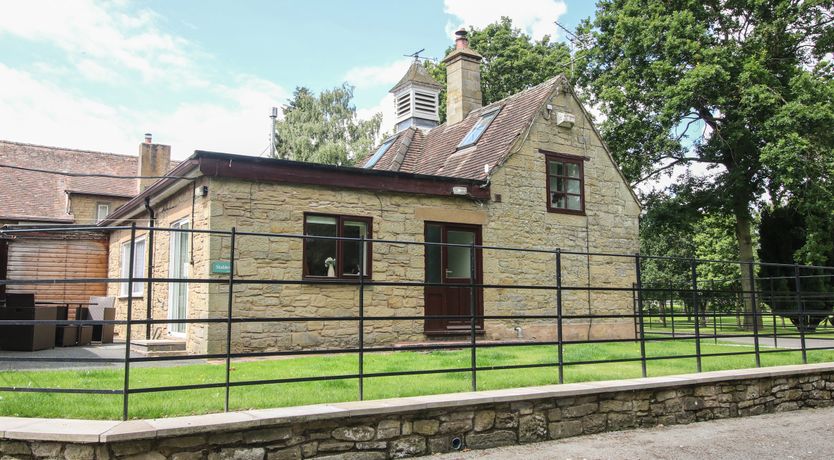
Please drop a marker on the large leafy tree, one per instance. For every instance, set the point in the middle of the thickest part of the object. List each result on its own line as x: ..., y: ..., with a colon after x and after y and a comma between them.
x: 659, y: 68
x: 683, y: 227
x: 799, y: 156
x: 512, y: 62
x: 804, y: 295
x: 324, y: 128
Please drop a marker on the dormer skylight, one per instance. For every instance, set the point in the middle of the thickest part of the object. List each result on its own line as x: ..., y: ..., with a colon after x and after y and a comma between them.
x: 379, y: 153
x: 477, y: 131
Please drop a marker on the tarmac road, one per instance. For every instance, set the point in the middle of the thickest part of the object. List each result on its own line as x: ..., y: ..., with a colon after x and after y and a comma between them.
x: 803, y: 434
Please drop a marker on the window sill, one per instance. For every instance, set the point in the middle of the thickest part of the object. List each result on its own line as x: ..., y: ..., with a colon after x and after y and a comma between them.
x: 453, y: 333
x: 336, y: 279
x: 566, y: 211
x: 134, y: 297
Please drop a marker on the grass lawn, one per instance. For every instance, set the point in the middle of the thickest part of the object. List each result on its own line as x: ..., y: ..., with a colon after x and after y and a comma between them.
x: 727, y: 323
x: 185, y: 402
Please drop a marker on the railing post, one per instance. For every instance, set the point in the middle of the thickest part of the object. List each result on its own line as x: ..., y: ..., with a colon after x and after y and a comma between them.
x: 473, y: 273
x: 634, y: 310
x: 754, y: 311
x: 362, y: 254
x: 801, y: 309
x: 559, y: 337
x: 130, y: 260
x: 639, y: 287
x: 230, y: 302
x: 695, y: 301
x: 714, y: 318
x: 149, y: 288
x: 773, y: 313
x: 672, y: 307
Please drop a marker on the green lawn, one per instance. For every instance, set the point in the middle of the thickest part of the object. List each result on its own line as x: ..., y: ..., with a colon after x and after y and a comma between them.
x: 727, y: 323
x: 185, y: 402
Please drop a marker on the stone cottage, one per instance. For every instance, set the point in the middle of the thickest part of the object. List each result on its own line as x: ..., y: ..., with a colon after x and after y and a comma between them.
x: 528, y: 171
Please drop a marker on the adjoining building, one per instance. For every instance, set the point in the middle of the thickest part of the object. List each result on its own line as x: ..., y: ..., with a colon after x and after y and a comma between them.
x: 527, y: 171
x: 89, y: 185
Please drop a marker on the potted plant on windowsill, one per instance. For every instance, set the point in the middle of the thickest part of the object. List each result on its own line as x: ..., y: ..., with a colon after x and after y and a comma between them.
x: 330, y: 263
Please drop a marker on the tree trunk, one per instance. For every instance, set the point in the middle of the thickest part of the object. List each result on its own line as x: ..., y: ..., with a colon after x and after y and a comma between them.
x: 745, y: 250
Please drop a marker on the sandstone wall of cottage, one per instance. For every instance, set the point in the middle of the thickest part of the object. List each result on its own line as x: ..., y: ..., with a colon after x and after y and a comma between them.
x: 280, y: 208
x: 610, y: 225
x: 177, y: 207
x: 83, y: 207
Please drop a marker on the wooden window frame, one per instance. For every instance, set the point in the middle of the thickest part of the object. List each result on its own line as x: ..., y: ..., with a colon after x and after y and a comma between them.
x: 340, y: 218
x: 566, y: 159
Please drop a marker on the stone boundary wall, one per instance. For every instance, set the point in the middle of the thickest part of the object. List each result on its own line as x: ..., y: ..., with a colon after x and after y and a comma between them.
x: 408, y: 427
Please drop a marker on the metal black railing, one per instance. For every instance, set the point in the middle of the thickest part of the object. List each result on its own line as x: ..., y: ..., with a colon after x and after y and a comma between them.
x: 699, y: 299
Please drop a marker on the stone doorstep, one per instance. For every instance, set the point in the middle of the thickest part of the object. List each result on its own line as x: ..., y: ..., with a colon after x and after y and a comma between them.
x: 159, y: 347
x: 92, y: 431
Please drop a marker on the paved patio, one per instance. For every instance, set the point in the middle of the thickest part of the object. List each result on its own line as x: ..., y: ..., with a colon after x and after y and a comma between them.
x: 76, y: 358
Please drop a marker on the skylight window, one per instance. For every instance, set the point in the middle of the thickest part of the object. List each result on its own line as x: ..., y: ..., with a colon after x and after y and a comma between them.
x: 379, y: 152
x: 478, y: 130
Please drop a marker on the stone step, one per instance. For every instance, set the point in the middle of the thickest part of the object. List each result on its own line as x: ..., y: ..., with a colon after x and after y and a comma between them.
x: 164, y: 347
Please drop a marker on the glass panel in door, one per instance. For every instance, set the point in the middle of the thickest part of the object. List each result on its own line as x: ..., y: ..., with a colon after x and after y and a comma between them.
x: 459, y: 259
x: 178, y: 268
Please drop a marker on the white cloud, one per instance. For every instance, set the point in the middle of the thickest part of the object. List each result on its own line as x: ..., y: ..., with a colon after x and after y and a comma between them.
x: 237, y: 121
x: 535, y: 17
x: 119, y: 40
x: 39, y: 112
x: 383, y: 75
x: 386, y: 107
x: 118, y: 44
x: 234, y: 119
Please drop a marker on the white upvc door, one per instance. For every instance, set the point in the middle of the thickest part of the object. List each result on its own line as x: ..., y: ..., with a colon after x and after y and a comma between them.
x: 178, y: 268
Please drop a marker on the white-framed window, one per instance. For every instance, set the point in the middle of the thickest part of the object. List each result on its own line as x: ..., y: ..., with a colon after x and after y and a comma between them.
x: 102, y: 210
x: 138, y: 266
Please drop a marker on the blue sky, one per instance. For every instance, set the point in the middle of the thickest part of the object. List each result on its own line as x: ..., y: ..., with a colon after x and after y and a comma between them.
x: 204, y: 74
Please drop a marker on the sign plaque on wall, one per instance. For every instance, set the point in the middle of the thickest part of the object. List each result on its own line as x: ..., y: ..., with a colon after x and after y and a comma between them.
x: 220, y: 267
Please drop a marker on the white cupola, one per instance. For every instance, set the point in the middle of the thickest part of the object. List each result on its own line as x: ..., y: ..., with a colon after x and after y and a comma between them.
x: 417, y: 99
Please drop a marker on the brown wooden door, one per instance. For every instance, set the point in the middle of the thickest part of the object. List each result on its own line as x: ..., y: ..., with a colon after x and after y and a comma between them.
x: 450, y: 269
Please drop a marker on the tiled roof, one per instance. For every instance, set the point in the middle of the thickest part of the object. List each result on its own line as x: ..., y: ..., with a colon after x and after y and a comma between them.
x: 419, y: 75
x: 31, y: 195
x: 435, y: 152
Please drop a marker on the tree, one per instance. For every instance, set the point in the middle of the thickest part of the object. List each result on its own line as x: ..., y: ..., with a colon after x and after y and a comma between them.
x: 783, y: 233
x: 324, y: 128
x: 658, y: 68
x: 681, y: 226
x: 512, y: 61
x: 800, y: 157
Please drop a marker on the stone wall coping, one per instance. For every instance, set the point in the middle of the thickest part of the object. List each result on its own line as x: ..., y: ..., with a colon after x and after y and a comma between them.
x: 94, y: 431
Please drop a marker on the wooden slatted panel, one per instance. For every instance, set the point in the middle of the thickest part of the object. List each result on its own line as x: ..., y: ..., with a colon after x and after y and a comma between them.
x: 41, y: 259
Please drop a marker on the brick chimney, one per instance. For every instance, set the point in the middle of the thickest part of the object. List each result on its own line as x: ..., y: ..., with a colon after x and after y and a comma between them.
x: 463, y: 80
x: 154, y: 160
